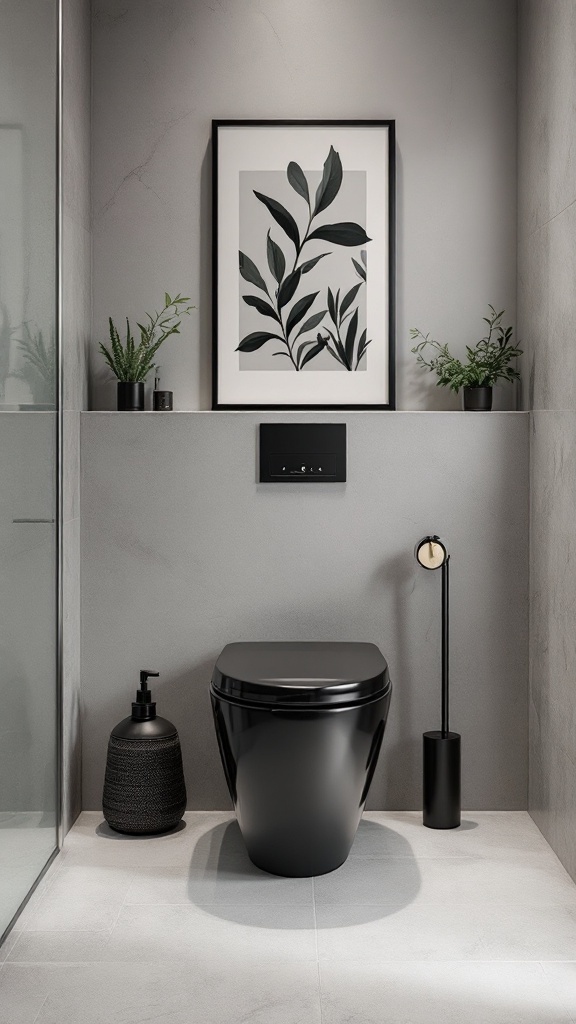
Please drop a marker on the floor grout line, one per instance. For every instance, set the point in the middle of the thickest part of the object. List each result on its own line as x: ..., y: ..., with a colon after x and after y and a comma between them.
x: 41, y: 1008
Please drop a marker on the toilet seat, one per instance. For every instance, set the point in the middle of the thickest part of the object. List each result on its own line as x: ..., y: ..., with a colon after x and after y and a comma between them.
x: 301, y: 674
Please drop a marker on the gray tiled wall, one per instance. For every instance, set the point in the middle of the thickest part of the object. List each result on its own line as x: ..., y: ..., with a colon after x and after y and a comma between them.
x: 182, y: 551
x: 547, y: 310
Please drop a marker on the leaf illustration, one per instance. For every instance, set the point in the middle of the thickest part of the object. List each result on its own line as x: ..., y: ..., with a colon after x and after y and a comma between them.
x: 298, y: 311
x: 312, y: 263
x: 351, y: 337
x: 276, y: 260
x: 320, y: 344
x: 312, y: 322
x: 359, y: 269
x: 297, y: 179
x: 282, y: 217
x: 329, y: 187
x: 362, y: 346
x: 250, y: 272
x: 339, y: 348
x: 335, y: 356
x: 348, y: 299
x: 364, y: 257
x: 253, y: 341
x: 331, y: 305
x: 301, y: 349
x: 345, y: 233
x: 263, y: 307
x: 288, y: 288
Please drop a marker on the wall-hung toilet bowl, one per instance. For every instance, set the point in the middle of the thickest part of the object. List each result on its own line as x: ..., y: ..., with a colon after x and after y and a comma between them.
x: 299, y: 727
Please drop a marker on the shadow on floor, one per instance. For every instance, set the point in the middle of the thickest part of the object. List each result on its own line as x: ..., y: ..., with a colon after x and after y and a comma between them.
x: 365, y: 888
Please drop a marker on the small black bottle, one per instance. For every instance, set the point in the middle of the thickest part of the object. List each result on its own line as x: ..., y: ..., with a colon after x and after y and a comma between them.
x: 144, y: 788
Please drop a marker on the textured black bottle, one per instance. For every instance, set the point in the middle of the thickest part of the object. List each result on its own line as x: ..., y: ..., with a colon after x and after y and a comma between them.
x: 144, y: 788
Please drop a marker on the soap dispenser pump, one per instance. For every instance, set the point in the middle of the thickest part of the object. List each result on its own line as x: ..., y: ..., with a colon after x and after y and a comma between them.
x: 144, y: 788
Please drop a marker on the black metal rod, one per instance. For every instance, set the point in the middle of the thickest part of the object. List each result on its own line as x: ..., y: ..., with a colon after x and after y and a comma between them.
x: 445, y: 648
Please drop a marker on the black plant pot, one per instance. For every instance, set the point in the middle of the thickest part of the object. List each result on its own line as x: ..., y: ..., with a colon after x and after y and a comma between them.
x: 477, y: 399
x: 130, y: 396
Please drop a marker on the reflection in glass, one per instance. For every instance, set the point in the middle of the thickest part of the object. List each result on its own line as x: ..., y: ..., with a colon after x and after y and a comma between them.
x: 28, y: 446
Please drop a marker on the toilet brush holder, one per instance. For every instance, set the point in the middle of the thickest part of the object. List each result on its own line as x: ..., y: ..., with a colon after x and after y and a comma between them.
x: 441, y: 760
x: 144, y: 788
x: 441, y: 802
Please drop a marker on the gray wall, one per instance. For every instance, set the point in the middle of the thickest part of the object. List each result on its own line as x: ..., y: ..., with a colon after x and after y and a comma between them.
x: 445, y: 69
x: 182, y: 551
x: 547, y: 310
x: 76, y: 292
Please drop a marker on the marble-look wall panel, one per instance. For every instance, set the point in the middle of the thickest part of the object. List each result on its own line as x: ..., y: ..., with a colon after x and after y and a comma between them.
x: 76, y: 245
x: 547, y: 315
x: 446, y: 71
x: 183, y: 551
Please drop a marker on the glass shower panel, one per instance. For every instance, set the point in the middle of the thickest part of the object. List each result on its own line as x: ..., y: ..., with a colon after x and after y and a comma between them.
x: 28, y: 446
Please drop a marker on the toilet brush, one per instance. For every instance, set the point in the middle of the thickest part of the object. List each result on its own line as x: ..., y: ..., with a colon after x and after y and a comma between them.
x: 441, y: 777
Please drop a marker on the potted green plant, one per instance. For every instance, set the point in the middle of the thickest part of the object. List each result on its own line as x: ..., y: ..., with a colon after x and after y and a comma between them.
x: 132, y: 363
x: 489, y: 361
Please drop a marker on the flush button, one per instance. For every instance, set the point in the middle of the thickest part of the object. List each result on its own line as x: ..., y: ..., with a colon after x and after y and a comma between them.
x: 302, y: 452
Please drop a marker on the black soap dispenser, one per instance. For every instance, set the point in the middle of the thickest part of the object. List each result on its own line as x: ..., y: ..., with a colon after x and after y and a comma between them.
x: 144, y: 788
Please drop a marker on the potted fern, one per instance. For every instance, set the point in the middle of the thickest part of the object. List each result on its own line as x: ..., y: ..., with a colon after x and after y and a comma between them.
x: 132, y: 363
x: 488, y: 362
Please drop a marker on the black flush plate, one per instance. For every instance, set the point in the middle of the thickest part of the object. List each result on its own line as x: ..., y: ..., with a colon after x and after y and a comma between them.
x: 304, y: 452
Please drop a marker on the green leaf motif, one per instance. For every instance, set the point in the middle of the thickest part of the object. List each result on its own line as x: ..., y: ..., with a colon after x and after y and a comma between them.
x: 297, y: 179
x: 282, y: 217
x: 348, y: 299
x: 320, y: 344
x: 344, y: 233
x: 276, y: 260
x: 250, y: 272
x: 329, y: 186
x: 261, y: 306
x: 331, y: 305
x: 312, y: 322
x: 310, y: 264
x: 351, y: 337
x: 298, y: 311
x: 254, y: 341
x: 288, y: 288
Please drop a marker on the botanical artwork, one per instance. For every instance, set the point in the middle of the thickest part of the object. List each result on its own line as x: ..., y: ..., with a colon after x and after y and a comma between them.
x: 303, y: 269
x: 303, y: 248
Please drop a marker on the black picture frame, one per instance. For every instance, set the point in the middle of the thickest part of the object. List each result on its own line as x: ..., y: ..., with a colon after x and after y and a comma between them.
x: 388, y: 125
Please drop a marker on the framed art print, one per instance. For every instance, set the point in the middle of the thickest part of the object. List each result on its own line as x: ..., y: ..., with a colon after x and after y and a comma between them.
x: 303, y: 247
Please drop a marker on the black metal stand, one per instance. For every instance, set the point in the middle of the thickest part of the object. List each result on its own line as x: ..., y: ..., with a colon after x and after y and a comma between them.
x: 442, y: 749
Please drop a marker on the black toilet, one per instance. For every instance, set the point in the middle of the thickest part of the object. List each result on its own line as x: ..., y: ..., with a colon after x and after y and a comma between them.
x: 299, y: 726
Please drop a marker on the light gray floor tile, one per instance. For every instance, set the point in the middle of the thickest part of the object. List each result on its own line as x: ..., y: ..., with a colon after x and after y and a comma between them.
x: 71, y: 915
x: 526, y: 933
x: 109, y: 994
x: 537, y: 881
x: 92, y: 841
x: 168, y: 934
x: 227, y: 942
x: 22, y: 994
x: 491, y: 834
x: 427, y: 993
x: 202, y: 886
x: 106, y: 884
x: 59, y: 947
x: 411, y: 932
x: 241, y: 933
x: 563, y: 977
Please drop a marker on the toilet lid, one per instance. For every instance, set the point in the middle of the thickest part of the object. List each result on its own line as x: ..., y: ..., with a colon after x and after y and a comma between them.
x: 301, y: 674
